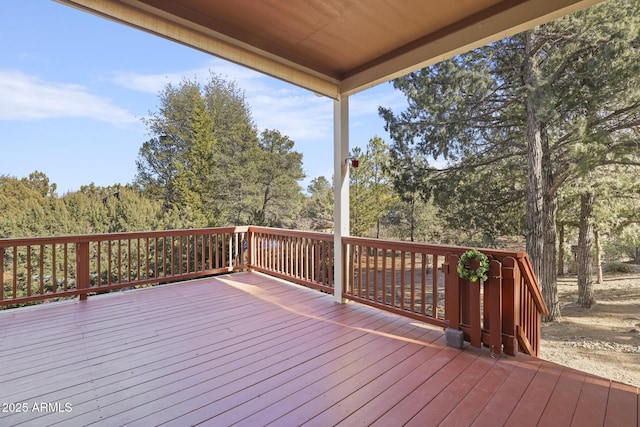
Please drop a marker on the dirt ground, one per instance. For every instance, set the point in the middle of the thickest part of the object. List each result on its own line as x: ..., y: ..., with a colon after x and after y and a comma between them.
x: 604, y: 340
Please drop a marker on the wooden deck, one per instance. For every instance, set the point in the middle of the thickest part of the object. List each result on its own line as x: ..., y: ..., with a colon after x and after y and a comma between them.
x: 246, y: 349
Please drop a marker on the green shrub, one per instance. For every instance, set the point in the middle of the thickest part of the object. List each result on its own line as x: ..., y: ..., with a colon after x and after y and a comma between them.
x: 619, y: 267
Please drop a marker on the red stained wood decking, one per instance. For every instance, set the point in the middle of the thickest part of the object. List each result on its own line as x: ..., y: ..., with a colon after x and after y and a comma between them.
x: 249, y: 350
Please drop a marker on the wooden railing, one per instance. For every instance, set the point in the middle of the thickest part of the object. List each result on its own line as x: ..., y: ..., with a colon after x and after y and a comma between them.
x: 297, y: 256
x: 420, y: 281
x: 400, y: 277
x: 41, y: 268
x: 416, y: 280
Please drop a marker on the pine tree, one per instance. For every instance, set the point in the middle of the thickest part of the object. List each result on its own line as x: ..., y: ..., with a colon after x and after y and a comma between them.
x: 557, y: 100
x: 194, y: 162
x: 277, y: 168
x: 317, y: 210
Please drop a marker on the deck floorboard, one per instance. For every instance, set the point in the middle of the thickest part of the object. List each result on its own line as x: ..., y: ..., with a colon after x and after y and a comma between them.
x: 248, y: 350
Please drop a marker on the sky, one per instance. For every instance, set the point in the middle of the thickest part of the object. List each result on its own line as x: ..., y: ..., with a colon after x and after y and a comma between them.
x: 75, y: 88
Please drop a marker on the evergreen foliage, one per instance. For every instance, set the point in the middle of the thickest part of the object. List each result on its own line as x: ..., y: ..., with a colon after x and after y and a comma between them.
x: 317, y: 208
x: 205, y: 159
x: 514, y: 120
x: 278, y: 168
x: 371, y: 194
x: 32, y: 211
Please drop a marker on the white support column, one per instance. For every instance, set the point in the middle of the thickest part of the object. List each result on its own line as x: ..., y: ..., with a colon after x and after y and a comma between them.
x: 340, y: 189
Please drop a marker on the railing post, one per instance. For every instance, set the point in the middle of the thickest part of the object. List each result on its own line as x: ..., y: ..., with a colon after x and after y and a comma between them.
x: 493, y: 306
x: 230, y: 252
x: 451, y: 291
x: 250, y: 245
x: 510, y: 305
x: 471, y: 306
x: 82, y: 269
x: 2, y: 274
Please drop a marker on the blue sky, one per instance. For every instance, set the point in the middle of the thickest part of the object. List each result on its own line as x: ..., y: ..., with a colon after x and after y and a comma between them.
x: 74, y: 88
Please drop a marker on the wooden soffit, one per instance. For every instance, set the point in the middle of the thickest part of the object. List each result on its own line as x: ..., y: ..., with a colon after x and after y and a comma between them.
x: 332, y: 47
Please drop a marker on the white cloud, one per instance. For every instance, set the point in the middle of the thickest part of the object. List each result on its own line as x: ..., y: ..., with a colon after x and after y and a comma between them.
x: 155, y: 83
x: 26, y: 97
x: 152, y: 84
x: 301, y: 116
x: 295, y: 112
x: 367, y: 102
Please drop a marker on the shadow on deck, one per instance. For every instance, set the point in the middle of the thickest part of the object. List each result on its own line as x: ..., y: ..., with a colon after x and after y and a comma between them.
x: 248, y: 349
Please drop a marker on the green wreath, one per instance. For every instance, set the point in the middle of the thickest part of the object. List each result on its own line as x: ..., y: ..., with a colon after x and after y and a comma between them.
x: 473, y: 275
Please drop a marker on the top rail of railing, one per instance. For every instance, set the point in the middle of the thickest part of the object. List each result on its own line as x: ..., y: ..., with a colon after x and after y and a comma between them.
x: 34, y: 241
x: 426, y: 247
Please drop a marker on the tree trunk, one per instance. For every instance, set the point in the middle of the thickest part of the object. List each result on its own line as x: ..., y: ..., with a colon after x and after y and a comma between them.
x: 561, y: 251
x: 596, y: 240
x: 586, y: 296
x: 541, y: 204
x: 265, y: 203
x: 413, y: 219
x: 548, y: 277
x: 535, y: 237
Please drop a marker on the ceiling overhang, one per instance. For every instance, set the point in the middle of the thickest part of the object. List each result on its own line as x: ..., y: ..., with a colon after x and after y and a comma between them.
x: 332, y: 47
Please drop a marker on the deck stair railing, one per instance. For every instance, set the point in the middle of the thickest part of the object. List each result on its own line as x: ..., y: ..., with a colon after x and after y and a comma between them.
x: 416, y: 280
x: 420, y: 281
x: 503, y: 312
